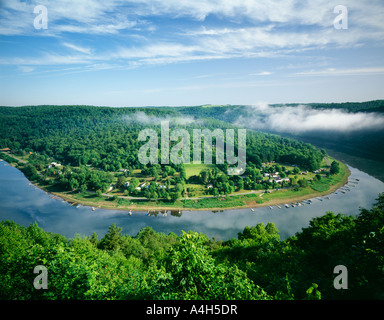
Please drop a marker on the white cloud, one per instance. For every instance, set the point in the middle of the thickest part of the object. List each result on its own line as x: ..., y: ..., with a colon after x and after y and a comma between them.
x: 343, y: 72
x: 264, y: 73
x: 274, y: 28
x: 26, y: 69
x: 77, y: 48
x: 86, y: 16
x: 144, y: 118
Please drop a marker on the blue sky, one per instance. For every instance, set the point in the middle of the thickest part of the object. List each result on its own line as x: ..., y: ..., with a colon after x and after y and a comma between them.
x: 189, y: 52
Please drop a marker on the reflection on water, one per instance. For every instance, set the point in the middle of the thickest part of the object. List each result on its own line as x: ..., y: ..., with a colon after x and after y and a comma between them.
x: 23, y: 203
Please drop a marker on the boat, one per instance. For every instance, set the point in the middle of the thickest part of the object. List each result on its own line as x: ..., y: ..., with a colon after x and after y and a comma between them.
x: 252, y: 209
x: 130, y: 212
x: 278, y: 206
x: 270, y: 207
x: 93, y: 208
x: 286, y: 205
x: 164, y: 214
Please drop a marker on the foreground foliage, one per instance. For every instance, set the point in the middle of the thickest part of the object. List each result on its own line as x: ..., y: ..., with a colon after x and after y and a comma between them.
x: 151, y: 265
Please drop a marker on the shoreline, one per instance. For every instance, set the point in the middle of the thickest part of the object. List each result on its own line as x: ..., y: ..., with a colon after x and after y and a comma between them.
x: 248, y: 204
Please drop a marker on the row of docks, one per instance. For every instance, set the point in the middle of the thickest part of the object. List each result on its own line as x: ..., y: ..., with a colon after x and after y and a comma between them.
x: 346, y: 188
x: 296, y: 204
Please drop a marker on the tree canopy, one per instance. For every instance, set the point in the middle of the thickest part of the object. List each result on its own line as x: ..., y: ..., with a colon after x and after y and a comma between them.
x: 151, y: 265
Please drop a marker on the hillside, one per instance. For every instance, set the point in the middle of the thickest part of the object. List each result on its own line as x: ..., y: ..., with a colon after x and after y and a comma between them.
x: 97, y: 149
x: 255, y: 266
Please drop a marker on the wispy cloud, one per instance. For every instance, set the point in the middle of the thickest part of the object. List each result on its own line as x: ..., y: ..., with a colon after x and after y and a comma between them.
x: 342, y: 72
x: 264, y: 35
x: 142, y: 117
x: 258, y: 44
x: 264, y: 73
x: 77, y: 48
x: 71, y: 16
x: 26, y: 69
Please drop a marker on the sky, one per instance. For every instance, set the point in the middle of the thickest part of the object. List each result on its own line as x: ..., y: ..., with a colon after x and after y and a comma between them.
x: 190, y: 52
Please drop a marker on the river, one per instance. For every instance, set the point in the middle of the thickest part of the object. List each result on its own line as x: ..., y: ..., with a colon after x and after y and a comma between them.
x: 24, y: 203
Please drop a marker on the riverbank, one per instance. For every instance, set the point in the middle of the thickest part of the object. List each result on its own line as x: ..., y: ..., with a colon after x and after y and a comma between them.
x: 253, y: 199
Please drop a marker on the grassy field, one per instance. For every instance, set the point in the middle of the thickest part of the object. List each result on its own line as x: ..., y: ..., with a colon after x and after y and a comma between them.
x: 192, y: 169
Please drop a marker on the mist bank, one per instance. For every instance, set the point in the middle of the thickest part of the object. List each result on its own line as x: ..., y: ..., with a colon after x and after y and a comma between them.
x: 304, y: 118
x: 150, y: 119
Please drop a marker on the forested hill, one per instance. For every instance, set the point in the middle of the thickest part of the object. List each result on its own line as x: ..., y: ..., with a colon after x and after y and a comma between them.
x: 108, y: 137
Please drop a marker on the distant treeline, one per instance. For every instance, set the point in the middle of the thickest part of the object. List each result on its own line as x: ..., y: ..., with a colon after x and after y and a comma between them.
x: 369, y: 106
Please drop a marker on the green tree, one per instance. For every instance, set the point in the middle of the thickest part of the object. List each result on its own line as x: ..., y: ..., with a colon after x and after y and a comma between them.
x: 195, y: 275
x: 113, y: 239
x: 240, y: 184
x: 335, y: 167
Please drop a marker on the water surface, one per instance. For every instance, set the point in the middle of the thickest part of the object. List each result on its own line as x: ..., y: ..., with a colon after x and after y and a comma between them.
x: 23, y: 203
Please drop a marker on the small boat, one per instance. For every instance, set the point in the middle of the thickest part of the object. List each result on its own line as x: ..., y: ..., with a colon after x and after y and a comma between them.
x: 130, y: 212
x: 164, y: 214
x: 93, y: 208
x: 252, y: 209
x: 278, y: 206
x: 270, y: 207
